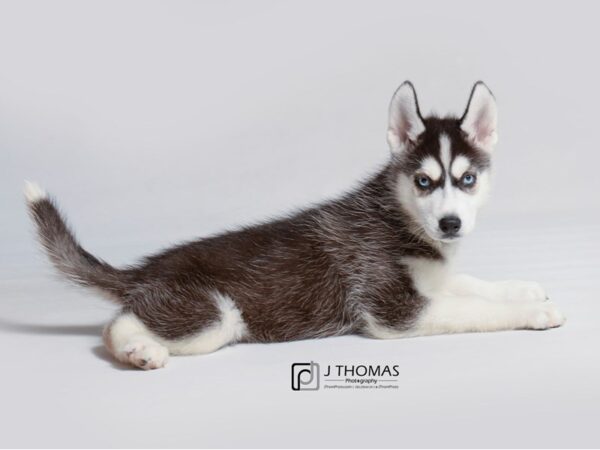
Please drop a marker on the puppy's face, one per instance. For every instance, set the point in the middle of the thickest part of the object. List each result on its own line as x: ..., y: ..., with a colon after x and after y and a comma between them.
x: 443, y: 165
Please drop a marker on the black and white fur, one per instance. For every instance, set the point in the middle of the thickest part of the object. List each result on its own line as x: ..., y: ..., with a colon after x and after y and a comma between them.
x: 376, y: 262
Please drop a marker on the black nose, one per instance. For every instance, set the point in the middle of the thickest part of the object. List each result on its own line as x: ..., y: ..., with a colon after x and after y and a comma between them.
x: 450, y: 225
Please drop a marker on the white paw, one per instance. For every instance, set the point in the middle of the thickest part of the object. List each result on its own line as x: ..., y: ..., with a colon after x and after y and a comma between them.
x: 545, y: 315
x: 522, y: 291
x: 145, y: 354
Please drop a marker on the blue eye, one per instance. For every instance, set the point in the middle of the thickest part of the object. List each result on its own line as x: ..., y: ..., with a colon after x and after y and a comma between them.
x: 423, y: 181
x: 468, y: 179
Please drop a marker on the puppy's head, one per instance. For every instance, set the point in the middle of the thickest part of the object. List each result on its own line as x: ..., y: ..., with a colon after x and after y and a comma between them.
x: 442, y: 165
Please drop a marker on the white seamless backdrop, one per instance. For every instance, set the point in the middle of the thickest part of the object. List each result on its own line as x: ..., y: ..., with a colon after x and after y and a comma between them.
x: 155, y: 121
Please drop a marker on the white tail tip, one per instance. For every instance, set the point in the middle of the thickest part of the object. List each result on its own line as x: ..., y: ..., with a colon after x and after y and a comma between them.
x: 33, y: 192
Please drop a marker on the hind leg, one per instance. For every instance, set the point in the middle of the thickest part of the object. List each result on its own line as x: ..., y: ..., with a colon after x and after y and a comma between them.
x: 131, y: 342
x: 128, y: 339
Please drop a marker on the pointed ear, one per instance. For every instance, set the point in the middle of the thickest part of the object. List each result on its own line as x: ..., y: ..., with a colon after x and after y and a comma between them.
x: 480, y: 118
x: 405, y: 121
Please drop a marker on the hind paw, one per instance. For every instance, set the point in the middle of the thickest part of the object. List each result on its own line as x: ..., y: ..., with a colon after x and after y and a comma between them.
x: 146, y: 355
x: 545, y: 315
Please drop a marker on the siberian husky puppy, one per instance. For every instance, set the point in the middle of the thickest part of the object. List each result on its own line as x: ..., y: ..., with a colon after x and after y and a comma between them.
x: 375, y: 262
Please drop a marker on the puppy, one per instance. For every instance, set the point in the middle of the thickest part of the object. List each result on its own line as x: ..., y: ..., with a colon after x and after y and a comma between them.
x: 375, y: 262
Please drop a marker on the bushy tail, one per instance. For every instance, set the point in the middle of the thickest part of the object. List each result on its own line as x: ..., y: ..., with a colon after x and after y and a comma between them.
x: 64, y: 251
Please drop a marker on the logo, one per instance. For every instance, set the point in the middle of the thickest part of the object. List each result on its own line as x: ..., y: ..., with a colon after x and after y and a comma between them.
x: 308, y: 376
x: 305, y: 376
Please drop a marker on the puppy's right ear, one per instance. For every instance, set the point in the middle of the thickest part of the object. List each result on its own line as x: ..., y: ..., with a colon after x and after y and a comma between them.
x: 405, y: 121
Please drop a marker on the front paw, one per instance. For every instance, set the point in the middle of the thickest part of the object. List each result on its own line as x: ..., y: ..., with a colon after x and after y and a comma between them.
x: 517, y: 291
x: 543, y: 316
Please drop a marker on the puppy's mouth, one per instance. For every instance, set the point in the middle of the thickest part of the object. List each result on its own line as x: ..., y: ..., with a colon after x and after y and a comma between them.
x: 447, y: 239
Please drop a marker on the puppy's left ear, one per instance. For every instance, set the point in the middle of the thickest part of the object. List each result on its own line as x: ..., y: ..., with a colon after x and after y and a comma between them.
x: 480, y: 119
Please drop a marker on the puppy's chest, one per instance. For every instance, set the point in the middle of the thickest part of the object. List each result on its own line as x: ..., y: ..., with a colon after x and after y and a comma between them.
x: 427, y: 276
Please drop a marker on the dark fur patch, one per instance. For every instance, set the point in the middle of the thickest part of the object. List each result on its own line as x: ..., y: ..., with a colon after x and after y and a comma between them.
x: 306, y: 276
x: 428, y: 145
